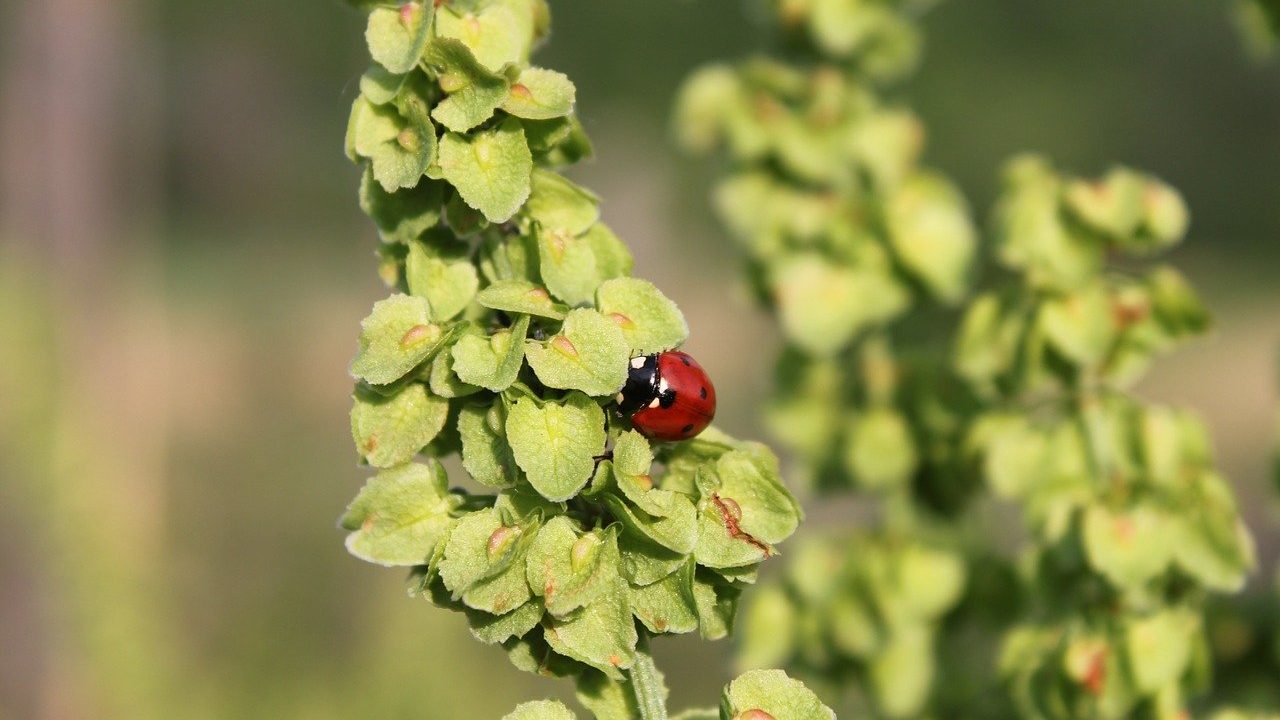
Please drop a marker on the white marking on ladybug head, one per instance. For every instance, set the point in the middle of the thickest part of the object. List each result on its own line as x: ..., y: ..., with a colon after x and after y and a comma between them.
x: 619, y: 398
x: 663, y: 387
x: 637, y: 362
x: 655, y: 403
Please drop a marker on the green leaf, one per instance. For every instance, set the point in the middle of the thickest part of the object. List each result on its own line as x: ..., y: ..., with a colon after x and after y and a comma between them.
x: 602, y: 635
x: 676, y: 531
x: 588, y: 354
x: 606, y: 699
x: 486, y: 456
x: 717, y: 603
x: 405, y: 215
x: 473, y: 92
x: 555, y: 443
x: 930, y: 230
x: 644, y: 562
x: 540, y: 710
x: 902, y: 672
x: 769, y: 629
x: 399, y: 146
x: 931, y: 581
x: 1127, y: 547
x: 381, y: 87
x: 539, y: 94
x: 391, y: 430
x: 744, y: 510
x: 773, y: 693
x: 568, y: 570
x: 495, y: 629
x: 397, y: 36
x: 444, y: 382
x: 881, y: 452
x: 483, y: 563
x: 448, y: 286
x: 491, y: 169
x: 397, y: 337
x: 492, y: 361
x: 520, y: 296
x: 400, y: 515
x: 496, y: 35
x: 1081, y: 325
x: 649, y: 320
x: 568, y: 265
x: 560, y: 206
x: 824, y: 306
x: 1159, y: 647
x: 613, y: 259
x: 667, y: 606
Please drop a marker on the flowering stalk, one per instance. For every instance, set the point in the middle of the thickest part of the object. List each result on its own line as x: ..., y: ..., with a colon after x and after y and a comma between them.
x: 510, y: 329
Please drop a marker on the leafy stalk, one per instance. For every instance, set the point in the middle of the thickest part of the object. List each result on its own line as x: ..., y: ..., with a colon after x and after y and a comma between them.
x: 647, y: 683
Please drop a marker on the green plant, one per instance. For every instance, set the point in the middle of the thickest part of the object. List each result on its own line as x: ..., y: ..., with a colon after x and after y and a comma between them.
x: 510, y: 330
x: 847, y: 238
x: 1129, y: 525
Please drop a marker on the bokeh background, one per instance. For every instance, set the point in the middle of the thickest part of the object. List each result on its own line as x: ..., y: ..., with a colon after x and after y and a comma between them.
x: 183, y: 268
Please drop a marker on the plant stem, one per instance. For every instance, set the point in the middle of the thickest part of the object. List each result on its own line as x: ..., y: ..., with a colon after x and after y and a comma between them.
x: 647, y: 682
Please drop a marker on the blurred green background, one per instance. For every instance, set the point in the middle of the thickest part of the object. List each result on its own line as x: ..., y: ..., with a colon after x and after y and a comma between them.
x: 183, y: 268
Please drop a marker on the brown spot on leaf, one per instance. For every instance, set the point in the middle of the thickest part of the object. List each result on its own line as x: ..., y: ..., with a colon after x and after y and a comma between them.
x: 731, y: 516
x: 371, y: 444
x: 564, y: 345
x: 756, y: 714
x: 1095, y: 676
x: 521, y: 91
x: 621, y: 320
x: 614, y: 660
x: 645, y: 481
x: 416, y: 334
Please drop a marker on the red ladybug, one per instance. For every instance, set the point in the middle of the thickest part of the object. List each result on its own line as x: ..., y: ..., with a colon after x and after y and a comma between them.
x: 668, y: 396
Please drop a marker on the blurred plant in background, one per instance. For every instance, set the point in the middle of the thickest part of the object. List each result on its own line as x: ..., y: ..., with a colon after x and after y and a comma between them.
x: 1130, y: 525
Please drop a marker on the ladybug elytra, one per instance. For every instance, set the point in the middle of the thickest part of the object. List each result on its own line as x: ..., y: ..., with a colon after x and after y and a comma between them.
x: 668, y: 396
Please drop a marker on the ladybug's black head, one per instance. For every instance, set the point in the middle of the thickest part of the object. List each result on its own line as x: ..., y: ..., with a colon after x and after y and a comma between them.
x: 642, y: 385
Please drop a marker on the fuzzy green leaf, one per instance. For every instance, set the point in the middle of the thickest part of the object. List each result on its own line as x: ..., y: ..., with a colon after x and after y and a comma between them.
x: 400, y: 515
x: 495, y: 629
x: 399, y: 147
x: 491, y: 169
x: 559, y: 206
x: 486, y: 456
x: 649, y: 320
x: 520, y: 296
x: 396, y: 337
x: 492, y: 361
x: 405, y: 215
x: 568, y: 570
x: 541, y: 710
x: 930, y: 230
x: 602, y: 635
x: 667, y: 606
x: 397, y: 36
x: 588, y: 354
x: 824, y: 306
x: 483, y: 563
x: 390, y: 430
x: 474, y: 92
x: 496, y: 35
x: 1129, y: 547
x: 539, y: 94
x: 773, y: 693
x: 448, y: 286
x: 746, y: 510
x: 555, y: 443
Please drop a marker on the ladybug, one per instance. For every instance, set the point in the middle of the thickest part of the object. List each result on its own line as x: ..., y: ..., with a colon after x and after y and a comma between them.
x: 668, y: 396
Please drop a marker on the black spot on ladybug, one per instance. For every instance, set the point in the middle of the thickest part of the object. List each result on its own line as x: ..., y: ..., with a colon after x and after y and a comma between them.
x: 703, y: 392
x: 686, y: 429
x: 685, y: 360
x: 667, y: 399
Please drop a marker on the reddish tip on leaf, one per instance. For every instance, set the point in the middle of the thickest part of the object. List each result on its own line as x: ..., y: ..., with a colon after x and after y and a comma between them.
x: 564, y: 345
x: 754, y: 715
x: 622, y: 320
x: 416, y: 334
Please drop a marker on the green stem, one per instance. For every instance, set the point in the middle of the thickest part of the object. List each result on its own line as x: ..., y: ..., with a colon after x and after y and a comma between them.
x: 647, y: 682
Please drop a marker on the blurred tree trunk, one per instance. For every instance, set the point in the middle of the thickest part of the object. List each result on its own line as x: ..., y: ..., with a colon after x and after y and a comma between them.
x: 79, y: 191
